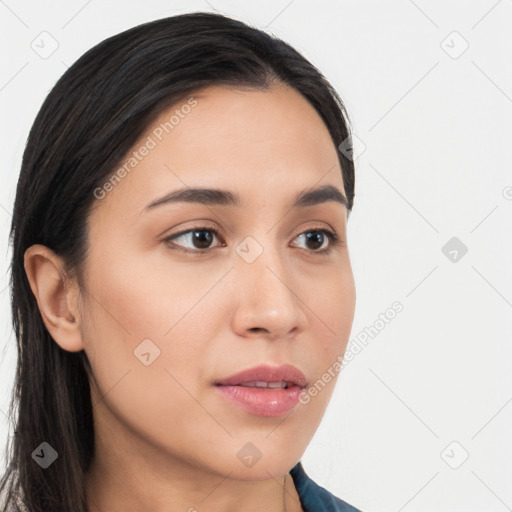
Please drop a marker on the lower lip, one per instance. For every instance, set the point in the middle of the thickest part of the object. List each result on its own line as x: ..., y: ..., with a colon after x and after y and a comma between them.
x: 263, y: 402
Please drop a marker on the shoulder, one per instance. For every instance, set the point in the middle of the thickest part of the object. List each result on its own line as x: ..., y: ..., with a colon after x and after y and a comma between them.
x: 315, y: 498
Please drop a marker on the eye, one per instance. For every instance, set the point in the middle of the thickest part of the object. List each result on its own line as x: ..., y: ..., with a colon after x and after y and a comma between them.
x: 199, y: 237
x: 320, y: 240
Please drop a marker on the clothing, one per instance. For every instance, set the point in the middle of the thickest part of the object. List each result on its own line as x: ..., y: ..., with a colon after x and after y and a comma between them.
x: 314, y: 498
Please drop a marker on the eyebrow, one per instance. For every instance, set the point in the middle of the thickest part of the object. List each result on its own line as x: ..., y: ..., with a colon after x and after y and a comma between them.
x: 217, y: 197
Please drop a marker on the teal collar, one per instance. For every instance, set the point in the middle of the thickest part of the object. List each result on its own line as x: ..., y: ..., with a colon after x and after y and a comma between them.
x: 314, y: 498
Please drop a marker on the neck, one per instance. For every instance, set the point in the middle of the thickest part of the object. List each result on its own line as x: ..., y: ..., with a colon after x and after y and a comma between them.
x: 108, y: 493
x: 131, y: 475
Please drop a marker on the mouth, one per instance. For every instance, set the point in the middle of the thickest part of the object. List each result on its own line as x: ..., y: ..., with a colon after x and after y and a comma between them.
x: 265, y: 376
x: 264, y: 390
x: 261, y: 384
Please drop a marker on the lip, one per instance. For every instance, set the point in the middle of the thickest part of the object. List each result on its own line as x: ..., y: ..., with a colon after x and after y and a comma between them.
x: 269, y: 402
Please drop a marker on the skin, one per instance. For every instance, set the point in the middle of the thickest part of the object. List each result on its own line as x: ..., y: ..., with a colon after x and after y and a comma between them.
x: 164, y: 439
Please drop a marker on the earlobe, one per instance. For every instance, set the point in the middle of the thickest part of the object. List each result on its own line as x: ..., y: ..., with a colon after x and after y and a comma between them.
x: 54, y: 296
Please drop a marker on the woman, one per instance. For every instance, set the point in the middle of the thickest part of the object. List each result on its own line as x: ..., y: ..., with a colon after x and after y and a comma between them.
x: 182, y: 293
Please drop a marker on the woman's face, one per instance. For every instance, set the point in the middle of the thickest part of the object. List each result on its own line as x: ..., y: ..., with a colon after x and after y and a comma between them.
x: 162, y: 326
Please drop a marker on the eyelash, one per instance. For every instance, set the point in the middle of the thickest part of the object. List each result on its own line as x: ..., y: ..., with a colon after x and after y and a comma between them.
x: 334, y: 240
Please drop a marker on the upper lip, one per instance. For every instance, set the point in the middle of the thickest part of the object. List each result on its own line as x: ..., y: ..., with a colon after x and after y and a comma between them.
x: 286, y: 372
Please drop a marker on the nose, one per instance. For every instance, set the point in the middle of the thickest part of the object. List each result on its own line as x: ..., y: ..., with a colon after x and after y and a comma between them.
x: 267, y: 302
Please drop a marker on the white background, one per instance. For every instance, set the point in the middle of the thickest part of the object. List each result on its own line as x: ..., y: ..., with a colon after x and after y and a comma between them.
x: 436, y: 129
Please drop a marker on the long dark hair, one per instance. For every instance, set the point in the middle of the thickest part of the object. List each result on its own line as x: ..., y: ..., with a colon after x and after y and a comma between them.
x: 87, y: 124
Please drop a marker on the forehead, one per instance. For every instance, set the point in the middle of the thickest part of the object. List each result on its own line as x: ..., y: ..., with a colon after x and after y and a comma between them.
x: 246, y: 140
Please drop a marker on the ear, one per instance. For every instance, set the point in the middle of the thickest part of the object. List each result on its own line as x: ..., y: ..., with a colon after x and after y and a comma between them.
x: 56, y: 296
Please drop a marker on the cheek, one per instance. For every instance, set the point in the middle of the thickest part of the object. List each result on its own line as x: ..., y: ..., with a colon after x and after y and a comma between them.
x: 331, y: 314
x: 137, y: 310
x: 331, y: 302
x: 143, y: 309
x: 147, y: 295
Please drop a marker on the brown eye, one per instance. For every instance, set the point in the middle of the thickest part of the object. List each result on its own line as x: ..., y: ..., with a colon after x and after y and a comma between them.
x: 315, y: 239
x: 201, y: 239
x: 198, y: 239
x: 320, y: 240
